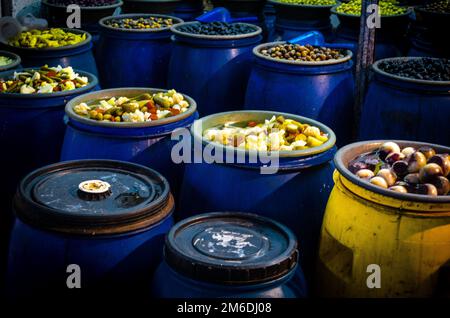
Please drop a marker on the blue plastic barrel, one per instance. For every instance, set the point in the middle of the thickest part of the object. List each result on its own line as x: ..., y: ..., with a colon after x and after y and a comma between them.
x: 32, y: 131
x: 317, y: 90
x: 57, y: 15
x: 147, y: 143
x: 15, y: 61
x: 31, y: 135
x: 295, y: 195
x: 408, y: 109
x: 390, y: 38
x: 293, y: 20
x: 232, y: 255
x: 188, y: 10
x: 213, y: 69
x: 109, y: 218
x: 79, y: 55
x: 134, y: 58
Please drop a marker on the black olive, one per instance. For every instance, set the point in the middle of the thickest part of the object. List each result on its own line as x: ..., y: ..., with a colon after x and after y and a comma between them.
x: 393, y: 157
x: 443, y: 160
x: 412, y: 178
x: 400, y: 168
x: 427, y: 151
x: 387, y: 148
x: 416, y: 161
x: 442, y: 185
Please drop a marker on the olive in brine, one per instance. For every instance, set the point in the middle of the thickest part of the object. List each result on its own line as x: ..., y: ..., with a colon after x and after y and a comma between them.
x: 388, y: 175
x: 356, y: 165
x: 387, y: 148
x: 365, y: 174
x: 442, y: 185
x: 416, y: 161
x: 426, y: 188
x: 400, y: 168
x: 399, y: 188
x: 379, y: 181
x: 394, y: 157
x: 408, y: 151
x: 443, y: 160
x: 412, y: 178
x: 427, y: 151
x: 429, y: 172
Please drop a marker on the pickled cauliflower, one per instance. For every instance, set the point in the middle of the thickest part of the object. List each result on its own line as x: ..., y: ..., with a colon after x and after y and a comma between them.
x: 275, y: 134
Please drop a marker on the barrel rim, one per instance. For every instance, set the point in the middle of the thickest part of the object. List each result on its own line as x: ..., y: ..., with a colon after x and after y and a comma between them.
x: 366, y: 146
x: 256, y: 49
x: 29, y: 210
x: 196, y: 127
x: 333, y: 10
x: 299, y: 5
x: 115, y: 92
x: 216, y: 37
x: 130, y: 15
x: 92, y: 8
x: 288, y: 257
x: 93, y: 82
x: 376, y: 69
x: 16, y: 60
x: 59, y: 48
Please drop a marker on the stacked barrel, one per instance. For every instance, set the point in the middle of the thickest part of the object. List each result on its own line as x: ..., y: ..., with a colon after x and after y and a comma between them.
x: 130, y: 140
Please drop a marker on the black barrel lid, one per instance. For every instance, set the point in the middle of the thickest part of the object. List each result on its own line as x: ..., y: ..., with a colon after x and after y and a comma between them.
x: 231, y: 248
x: 93, y: 197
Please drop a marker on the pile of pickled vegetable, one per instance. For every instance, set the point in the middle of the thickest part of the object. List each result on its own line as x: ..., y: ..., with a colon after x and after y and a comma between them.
x: 50, y: 38
x: 4, y: 60
x: 140, y: 23
x: 386, y: 8
x: 142, y: 108
x: 302, y: 53
x: 407, y: 170
x: 273, y: 134
x: 44, y: 80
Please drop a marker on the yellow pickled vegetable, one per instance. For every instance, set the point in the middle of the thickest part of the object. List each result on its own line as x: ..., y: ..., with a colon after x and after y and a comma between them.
x: 50, y: 38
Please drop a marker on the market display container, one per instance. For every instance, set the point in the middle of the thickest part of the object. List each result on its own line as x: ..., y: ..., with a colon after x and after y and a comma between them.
x: 15, y: 64
x: 213, y: 69
x: 150, y: 6
x: 114, y: 232
x: 129, y: 57
x: 295, y: 195
x: 429, y: 41
x: 188, y: 10
x: 403, y: 108
x: 57, y: 14
x: 407, y: 235
x: 32, y: 131
x: 317, y: 90
x: 390, y: 39
x: 293, y: 20
x: 79, y: 55
x: 146, y: 143
x: 201, y: 262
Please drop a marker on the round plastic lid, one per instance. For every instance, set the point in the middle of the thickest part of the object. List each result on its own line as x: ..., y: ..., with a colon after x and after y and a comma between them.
x: 91, y: 194
x: 231, y: 248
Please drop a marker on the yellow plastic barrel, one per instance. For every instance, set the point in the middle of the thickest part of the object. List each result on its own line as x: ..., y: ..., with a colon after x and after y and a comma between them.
x: 379, y: 243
